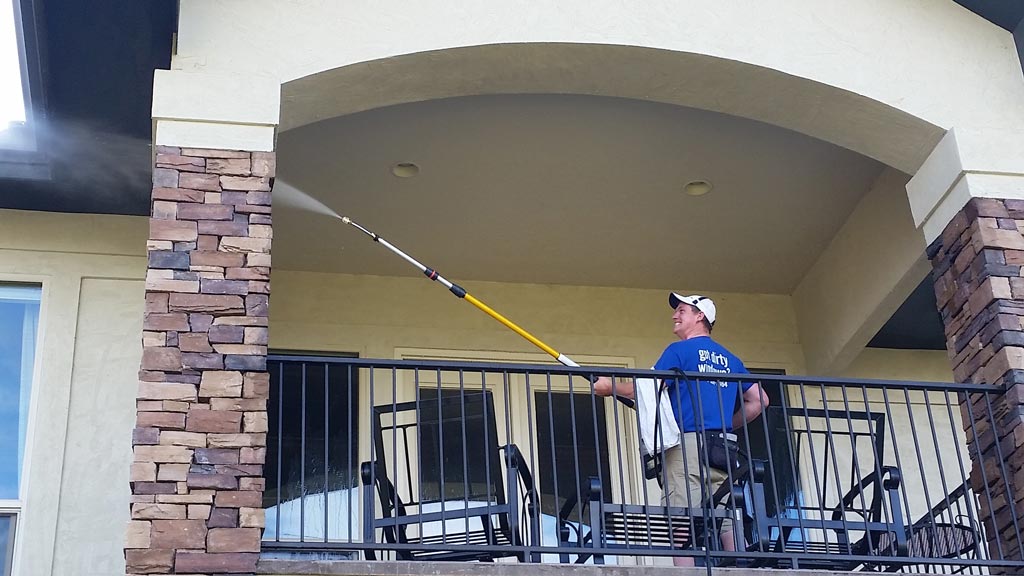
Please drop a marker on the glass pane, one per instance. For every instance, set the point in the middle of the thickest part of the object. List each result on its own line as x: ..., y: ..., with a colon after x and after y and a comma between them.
x: 6, y: 543
x: 768, y: 436
x: 19, y: 320
x: 459, y: 457
x: 312, y: 450
x: 569, y: 453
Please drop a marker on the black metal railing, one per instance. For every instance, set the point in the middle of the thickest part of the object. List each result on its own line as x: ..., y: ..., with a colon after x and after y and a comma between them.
x: 477, y: 461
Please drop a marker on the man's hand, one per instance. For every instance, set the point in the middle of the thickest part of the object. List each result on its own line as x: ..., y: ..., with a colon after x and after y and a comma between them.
x: 604, y: 386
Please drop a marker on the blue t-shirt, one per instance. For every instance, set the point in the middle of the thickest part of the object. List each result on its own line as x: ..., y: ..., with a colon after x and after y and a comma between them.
x: 715, y: 399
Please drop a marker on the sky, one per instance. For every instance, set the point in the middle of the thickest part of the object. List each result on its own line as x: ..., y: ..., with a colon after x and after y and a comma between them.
x: 12, y: 103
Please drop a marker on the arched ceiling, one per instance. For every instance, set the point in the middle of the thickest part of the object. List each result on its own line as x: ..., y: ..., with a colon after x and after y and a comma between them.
x: 568, y: 189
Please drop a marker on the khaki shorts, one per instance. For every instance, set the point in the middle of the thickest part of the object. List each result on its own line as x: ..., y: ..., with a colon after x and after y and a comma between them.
x: 684, y: 487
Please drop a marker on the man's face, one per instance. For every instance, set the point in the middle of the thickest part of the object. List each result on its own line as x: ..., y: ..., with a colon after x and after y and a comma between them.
x: 686, y: 321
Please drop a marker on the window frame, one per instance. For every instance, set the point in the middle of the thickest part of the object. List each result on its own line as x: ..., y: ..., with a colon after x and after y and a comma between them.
x: 16, y: 508
x: 17, y: 504
x: 8, y: 562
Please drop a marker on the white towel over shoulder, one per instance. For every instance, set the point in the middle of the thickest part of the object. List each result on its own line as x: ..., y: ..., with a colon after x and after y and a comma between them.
x: 647, y: 403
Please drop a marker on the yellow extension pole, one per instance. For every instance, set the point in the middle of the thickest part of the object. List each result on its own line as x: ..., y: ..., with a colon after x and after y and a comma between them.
x: 461, y: 293
x: 515, y: 328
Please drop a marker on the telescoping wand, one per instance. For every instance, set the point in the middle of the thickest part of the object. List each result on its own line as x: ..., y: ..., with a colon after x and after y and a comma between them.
x: 461, y: 293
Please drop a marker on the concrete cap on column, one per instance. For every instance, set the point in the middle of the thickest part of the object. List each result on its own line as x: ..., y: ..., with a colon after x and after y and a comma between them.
x: 965, y: 164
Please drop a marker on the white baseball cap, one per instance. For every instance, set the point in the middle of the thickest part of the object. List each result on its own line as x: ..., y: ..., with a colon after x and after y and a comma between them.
x: 702, y: 303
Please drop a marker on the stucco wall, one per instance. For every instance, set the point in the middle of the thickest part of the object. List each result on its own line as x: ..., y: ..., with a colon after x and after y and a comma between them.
x: 861, y: 278
x: 373, y: 315
x: 943, y: 47
x: 101, y: 414
x: 949, y: 58
x: 75, y: 488
x: 886, y: 364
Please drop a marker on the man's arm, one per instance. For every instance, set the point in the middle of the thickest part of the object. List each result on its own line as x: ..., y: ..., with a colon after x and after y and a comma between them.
x: 754, y: 402
x: 604, y: 385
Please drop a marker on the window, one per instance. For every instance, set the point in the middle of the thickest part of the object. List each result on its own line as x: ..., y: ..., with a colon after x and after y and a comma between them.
x: 457, y: 439
x: 19, y: 322
x: 19, y: 319
x: 769, y: 436
x: 570, y: 453
x: 6, y: 542
x: 312, y: 466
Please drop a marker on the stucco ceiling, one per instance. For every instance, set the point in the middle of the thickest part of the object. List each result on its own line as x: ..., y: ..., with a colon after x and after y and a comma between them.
x: 570, y: 190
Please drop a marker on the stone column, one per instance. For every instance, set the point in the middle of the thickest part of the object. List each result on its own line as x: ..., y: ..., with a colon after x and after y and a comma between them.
x: 973, y: 219
x: 200, y: 438
x: 980, y: 292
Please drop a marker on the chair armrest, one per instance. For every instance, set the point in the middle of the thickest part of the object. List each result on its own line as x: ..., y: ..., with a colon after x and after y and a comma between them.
x: 888, y: 479
x: 373, y: 476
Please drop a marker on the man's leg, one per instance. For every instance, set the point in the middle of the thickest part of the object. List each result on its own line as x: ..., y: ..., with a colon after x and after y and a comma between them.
x: 715, y: 479
x: 692, y: 483
x: 683, y: 468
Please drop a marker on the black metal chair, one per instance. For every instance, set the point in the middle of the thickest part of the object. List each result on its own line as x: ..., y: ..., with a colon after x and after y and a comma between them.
x: 600, y: 527
x: 865, y: 520
x: 847, y: 530
x: 940, y: 533
x: 446, y: 489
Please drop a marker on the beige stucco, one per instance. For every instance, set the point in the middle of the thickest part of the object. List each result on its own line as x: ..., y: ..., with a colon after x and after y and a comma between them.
x: 316, y: 312
x: 949, y: 60
x: 93, y: 489
x: 868, y: 269
x: 887, y: 364
x: 75, y: 488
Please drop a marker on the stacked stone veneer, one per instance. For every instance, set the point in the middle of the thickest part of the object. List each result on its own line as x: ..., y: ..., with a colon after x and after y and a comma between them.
x: 979, y: 287
x: 200, y: 438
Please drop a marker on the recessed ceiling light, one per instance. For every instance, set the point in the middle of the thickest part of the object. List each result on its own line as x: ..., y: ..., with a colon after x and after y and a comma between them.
x: 405, y: 169
x: 697, y: 187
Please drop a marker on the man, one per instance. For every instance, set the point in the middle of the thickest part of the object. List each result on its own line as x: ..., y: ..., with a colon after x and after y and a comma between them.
x: 703, y: 407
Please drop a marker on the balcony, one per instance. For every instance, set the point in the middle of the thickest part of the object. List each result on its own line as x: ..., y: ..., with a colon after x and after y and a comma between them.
x: 465, y: 461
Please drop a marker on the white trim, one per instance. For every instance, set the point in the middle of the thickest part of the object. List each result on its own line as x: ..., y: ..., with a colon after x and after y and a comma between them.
x: 12, y: 538
x: 965, y: 164
x: 220, y: 97
x: 221, y: 136
x: 49, y: 529
x: 33, y: 408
